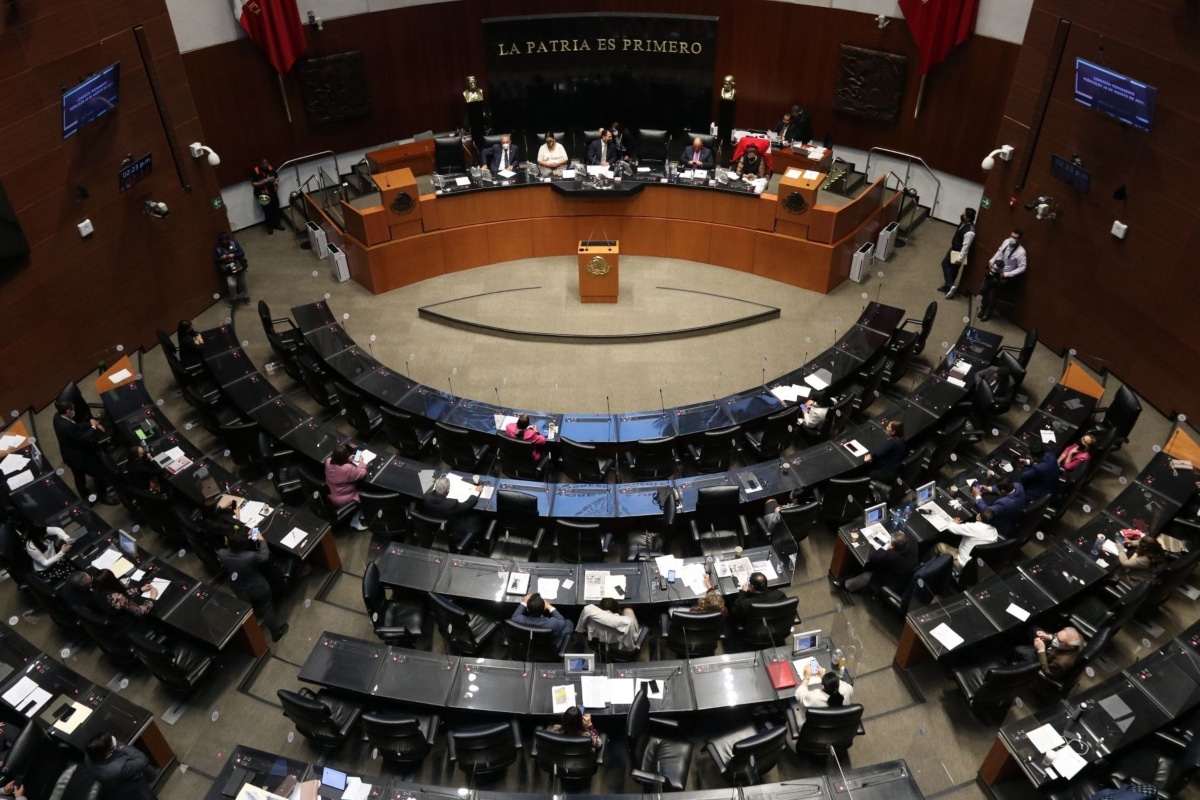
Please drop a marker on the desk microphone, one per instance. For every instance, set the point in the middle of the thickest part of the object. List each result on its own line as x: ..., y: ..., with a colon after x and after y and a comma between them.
x: 451, y: 384
x: 662, y: 402
x: 608, y: 405
x: 841, y: 771
x: 496, y: 389
x: 407, y: 368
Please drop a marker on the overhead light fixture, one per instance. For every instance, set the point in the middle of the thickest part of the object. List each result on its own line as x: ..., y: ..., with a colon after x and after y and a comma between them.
x: 198, y: 150
x: 1004, y: 152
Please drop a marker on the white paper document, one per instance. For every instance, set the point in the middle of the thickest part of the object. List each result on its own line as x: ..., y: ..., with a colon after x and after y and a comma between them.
x: 365, y: 457
x: 595, y: 691
x: 791, y: 394
x: 548, y: 588
x: 1045, y: 738
x: 80, y: 714
x: 816, y: 382
x: 20, y: 479
x: 27, y: 697
x: 462, y: 489
x: 1047, y: 436
x: 503, y: 421
x: 355, y: 788
x: 160, y: 584
x: 506, y: 173
x: 692, y: 576
x: 621, y: 691
x: 253, y: 512
x: 562, y: 697
x: 740, y: 569
x: 294, y: 538
x: 106, y: 559
x: 946, y: 635
x: 951, y: 379
x: 643, y: 169
x: 667, y: 563
x: 936, y: 516
x: 1067, y: 762
x: 10, y: 440
x: 568, y: 173
x: 593, y: 585
x: 1017, y: 612
x: 766, y: 568
x: 13, y: 462
x: 462, y: 181
x: 811, y: 174
x: 120, y: 375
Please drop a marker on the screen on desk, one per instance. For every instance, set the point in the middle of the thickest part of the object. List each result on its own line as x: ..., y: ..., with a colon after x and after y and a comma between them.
x: 807, y: 640
x: 925, y: 492
x: 333, y: 778
x: 579, y: 663
x: 127, y: 544
x: 875, y: 514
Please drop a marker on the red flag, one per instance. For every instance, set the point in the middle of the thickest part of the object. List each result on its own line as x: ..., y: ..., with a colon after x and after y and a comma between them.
x: 939, y: 26
x: 275, y: 26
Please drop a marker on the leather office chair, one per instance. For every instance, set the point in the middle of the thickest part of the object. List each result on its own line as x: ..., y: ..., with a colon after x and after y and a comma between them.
x: 517, y: 531
x: 744, y: 756
x: 430, y: 532
x: 1048, y: 688
x: 105, y: 635
x: 195, y: 383
x: 658, y: 756
x: 652, y: 459
x: 706, y: 140
x: 286, y: 343
x: 198, y: 538
x: 448, y: 155
x: 837, y: 415
x: 823, y: 728
x: 240, y: 438
x: 48, y: 768
x: 582, y: 462
x: 319, y: 381
x: 484, y: 751
x: 384, y: 512
x: 843, y: 498
x: 904, y: 337
x: 1168, y: 580
x: 649, y: 544
x: 1081, y: 477
x: 946, y: 440
x: 323, y: 718
x: 1163, y: 760
x: 456, y: 448
x: 1023, y: 353
x: 530, y: 643
x: 653, y: 145
x: 44, y: 595
x: 516, y: 459
x: 465, y: 634
x: 927, y: 581
x: 1121, y: 415
x: 1096, y: 609
x: 403, y: 739
x: 768, y: 624
x: 581, y: 542
x: 179, y: 666
x: 14, y: 558
x: 795, y: 524
x: 718, y: 526
x: 715, y: 451
x: 397, y: 621
x: 155, y: 509
x: 867, y: 387
x: 567, y: 757
x: 980, y: 410
x: 405, y: 434
x: 993, y: 555
x: 990, y: 688
x: 775, y: 434
x: 691, y: 634
x: 321, y: 504
x: 363, y: 415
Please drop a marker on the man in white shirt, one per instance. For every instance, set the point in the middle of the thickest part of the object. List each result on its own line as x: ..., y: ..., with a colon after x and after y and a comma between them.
x: 1006, y: 265
x: 552, y: 157
x: 973, y: 534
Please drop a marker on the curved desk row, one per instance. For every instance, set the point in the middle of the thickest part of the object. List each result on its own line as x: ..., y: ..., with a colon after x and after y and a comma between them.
x: 524, y: 689
x: 787, y: 237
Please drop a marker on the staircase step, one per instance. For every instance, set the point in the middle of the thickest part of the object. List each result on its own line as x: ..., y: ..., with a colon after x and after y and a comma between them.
x: 912, y: 217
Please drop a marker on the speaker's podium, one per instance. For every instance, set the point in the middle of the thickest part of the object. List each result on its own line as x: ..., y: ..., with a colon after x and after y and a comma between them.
x: 599, y: 278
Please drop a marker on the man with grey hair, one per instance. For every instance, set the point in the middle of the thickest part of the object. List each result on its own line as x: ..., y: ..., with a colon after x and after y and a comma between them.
x: 1056, y: 652
x: 440, y: 505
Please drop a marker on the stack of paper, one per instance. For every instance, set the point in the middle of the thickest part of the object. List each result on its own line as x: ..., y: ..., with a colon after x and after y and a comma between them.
x: 20, y: 479
x: 120, y: 375
x: 946, y: 635
x: 766, y: 568
x: 10, y: 441
x: 112, y: 561
x: 811, y: 174
x: 595, y: 691
x: 294, y: 538
x: 593, y: 585
x: 936, y: 515
x: 792, y: 393
x: 13, y: 462
x: 26, y: 696
x: 548, y: 588
x: 620, y: 691
x: 253, y: 512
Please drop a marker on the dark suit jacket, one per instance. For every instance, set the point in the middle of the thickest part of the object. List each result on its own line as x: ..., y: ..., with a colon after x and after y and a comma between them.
x: 786, y: 132
x: 893, y: 567
x: 120, y: 775
x: 593, y: 153
x: 741, y: 604
x: 491, y: 156
x: 246, y: 565
x: 706, y: 158
x: 76, y: 441
x: 446, y: 507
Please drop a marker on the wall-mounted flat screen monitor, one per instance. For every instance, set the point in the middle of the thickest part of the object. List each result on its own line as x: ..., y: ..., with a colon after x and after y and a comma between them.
x: 91, y: 99
x: 1114, y: 94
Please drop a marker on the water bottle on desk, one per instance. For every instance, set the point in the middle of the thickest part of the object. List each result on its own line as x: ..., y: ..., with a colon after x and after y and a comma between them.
x: 1097, y: 545
x: 839, y: 660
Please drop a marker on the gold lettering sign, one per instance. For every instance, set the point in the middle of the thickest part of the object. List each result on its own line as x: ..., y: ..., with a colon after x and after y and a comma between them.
x: 598, y: 266
x: 547, y: 46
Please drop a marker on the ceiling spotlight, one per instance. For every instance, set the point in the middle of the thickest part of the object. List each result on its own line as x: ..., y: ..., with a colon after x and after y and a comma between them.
x: 198, y: 150
x: 1004, y: 152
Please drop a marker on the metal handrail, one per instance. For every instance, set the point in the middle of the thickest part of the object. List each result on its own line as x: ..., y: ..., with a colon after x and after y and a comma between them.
x: 910, y: 158
x: 293, y: 162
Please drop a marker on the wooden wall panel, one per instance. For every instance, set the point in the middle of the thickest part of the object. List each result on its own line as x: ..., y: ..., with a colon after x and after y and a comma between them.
x: 74, y: 299
x: 416, y: 81
x: 1126, y: 306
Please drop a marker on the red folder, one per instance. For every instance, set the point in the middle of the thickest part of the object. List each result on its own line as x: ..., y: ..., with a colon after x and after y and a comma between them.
x: 782, y: 674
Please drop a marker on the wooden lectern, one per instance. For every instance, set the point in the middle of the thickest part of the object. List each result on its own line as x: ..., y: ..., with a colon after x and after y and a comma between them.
x: 599, y: 279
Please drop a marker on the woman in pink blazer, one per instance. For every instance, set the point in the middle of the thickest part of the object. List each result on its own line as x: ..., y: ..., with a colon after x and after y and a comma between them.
x: 1076, y: 455
x: 342, y: 474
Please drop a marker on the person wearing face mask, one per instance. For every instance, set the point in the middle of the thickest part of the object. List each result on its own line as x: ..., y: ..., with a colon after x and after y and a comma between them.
x: 956, y: 257
x: 1007, y: 265
x: 118, y: 769
x: 503, y: 156
x: 1056, y: 652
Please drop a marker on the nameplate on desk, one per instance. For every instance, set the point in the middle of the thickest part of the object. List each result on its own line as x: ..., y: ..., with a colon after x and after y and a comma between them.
x: 120, y: 375
x: 462, y: 181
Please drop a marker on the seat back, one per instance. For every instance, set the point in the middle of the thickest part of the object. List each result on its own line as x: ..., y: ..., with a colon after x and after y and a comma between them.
x: 655, y: 458
x: 994, y: 555
x: 454, y: 623
x: 362, y: 415
x: 756, y: 755
x: 397, y: 736
x: 1026, y: 352
x: 317, y: 381
x: 567, y: 756
x: 948, y: 437
x: 872, y: 379
x: 402, y: 432
x: 838, y: 415
x: 800, y: 519
x: 637, y: 727
x: 241, y: 437
x: 1032, y: 517
x: 768, y: 624
x: 1122, y: 413
x: 706, y: 140
x: 829, y: 727
x: 374, y: 597
x: 776, y: 433
x: 516, y: 458
x: 1016, y: 371
x: 716, y: 449
x: 845, y: 497
x: 448, y: 154
x: 311, y: 717
x: 486, y: 749
x: 926, y: 326
x: 581, y: 462
x: 455, y: 447
x: 1123, y: 609
x: 385, y: 512
x: 529, y: 642
x: 652, y: 146
x: 579, y: 542
x: 1002, y: 684
x: 1169, y: 579
x: 517, y: 513
x: 430, y: 531
x: 718, y: 508
x: 694, y: 633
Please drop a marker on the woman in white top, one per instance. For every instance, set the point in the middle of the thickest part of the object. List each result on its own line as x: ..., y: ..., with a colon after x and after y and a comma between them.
x: 46, y: 548
x: 822, y: 689
x: 552, y: 157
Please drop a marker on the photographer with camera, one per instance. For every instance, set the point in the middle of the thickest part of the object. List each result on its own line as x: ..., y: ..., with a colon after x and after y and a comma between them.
x: 1006, y: 265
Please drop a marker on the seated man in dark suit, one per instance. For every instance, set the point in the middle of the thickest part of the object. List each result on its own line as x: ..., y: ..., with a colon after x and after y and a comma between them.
x: 891, y: 566
x: 603, y: 152
x: 697, y: 156
x: 439, y: 505
x: 754, y: 590
x: 502, y: 156
x: 786, y: 128
x: 1006, y: 508
x: 1001, y: 382
x: 535, y: 611
x: 1040, y: 473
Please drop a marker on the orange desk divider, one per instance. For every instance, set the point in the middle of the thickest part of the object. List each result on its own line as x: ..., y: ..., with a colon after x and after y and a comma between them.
x: 1077, y: 378
x: 1183, y: 447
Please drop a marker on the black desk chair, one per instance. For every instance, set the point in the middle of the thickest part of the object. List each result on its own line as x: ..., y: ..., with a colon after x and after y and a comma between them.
x: 581, y: 542
x: 1096, y: 609
x: 816, y: 730
x: 516, y: 459
x: 449, y: 156
x: 715, y: 451
x: 1162, y: 760
x: 993, y: 555
x: 286, y: 343
x: 241, y: 439
x: 990, y: 688
x: 405, y: 433
x: 194, y: 378
x: 867, y: 386
x: 928, y: 580
x: 397, y: 621
x: 1048, y: 688
x: 156, y: 509
x: 403, y: 739
x: 653, y: 145
x: 517, y: 531
x: 44, y: 595
x: 606, y: 642
x: 843, y: 498
x: 465, y: 634
x: 658, y: 756
x: 1030, y: 521
x: 744, y: 756
x: 362, y: 414
x: 907, y: 343
x: 583, y: 463
x: 384, y: 512
x: 946, y: 440
x: 48, y: 768
x: 1023, y: 353
x: 319, y: 381
x: 649, y: 544
x: 566, y: 757
x: 653, y: 459
x: 178, y: 666
x: 107, y: 636
x: 1070, y: 489
x: 321, y: 503
x: 718, y: 525
x: 198, y: 538
x: 456, y: 448
x: 323, y: 718
x: 530, y: 643
x: 485, y: 751
x: 836, y: 416
x: 1168, y: 580
x: 769, y: 624
x: 691, y: 634
x: 1121, y: 415
x: 775, y: 434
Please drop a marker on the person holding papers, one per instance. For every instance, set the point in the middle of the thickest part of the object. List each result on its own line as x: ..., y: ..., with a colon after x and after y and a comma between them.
x: 503, y: 156
x: 1006, y: 508
x: 243, y: 558
x: 956, y: 257
x: 610, y: 624
x: 891, y: 566
x: 697, y: 156
x: 552, y: 157
x: 576, y: 723
x: 1040, y: 473
x: 974, y: 533
x: 752, y: 164
x: 343, y: 471
x: 711, y: 600
x: 1056, y: 652
x: 78, y: 444
x: 786, y: 129
x: 46, y: 548
x: 521, y: 429
x: 754, y: 590
x: 535, y: 611
x: 603, y: 152
x: 118, y: 769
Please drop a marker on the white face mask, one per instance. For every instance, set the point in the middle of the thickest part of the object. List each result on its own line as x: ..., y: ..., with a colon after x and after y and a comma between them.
x: 114, y: 742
